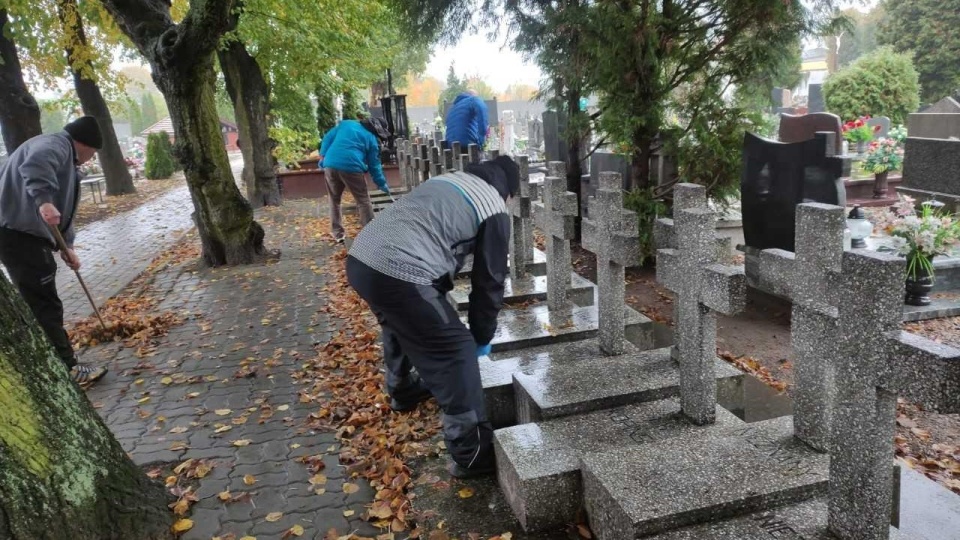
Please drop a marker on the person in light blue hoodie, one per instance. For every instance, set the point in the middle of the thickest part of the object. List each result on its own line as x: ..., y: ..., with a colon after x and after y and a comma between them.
x: 348, y: 151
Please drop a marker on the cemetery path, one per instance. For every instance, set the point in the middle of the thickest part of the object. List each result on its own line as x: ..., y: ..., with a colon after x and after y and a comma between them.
x: 226, y: 388
x: 115, y: 250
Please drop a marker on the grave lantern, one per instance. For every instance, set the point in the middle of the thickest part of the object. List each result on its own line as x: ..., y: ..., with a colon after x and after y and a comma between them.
x: 860, y: 227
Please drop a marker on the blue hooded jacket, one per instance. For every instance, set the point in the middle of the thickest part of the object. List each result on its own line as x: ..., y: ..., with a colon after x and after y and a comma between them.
x: 350, y: 147
x: 467, y: 121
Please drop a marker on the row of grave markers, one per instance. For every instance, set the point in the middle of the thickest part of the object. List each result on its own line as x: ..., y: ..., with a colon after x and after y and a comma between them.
x: 852, y: 359
x: 420, y: 160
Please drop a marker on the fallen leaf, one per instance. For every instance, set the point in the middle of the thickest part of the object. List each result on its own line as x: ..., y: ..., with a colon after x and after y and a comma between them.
x: 224, y: 495
x: 349, y: 488
x: 584, y: 531
x: 318, y: 479
x: 181, y: 507
x: 296, y: 530
x: 465, y: 493
x: 381, y: 510
x: 179, y: 429
x: 348, y: 513
x: 283, y: 407
x: 223, y: 412
x: 274, y: 516
x: 166, y: 381
x: 242, y: 442
x: 182, y: 526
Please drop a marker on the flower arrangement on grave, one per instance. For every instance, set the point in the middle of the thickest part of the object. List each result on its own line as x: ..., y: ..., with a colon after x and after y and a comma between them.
x: 898, y: 134
x: 884, y: 155
x: 857, y: 131
x: 920, y: 237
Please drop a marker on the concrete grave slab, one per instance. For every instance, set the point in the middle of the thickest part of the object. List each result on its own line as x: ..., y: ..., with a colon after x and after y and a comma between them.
x: 641, y: 490
x: 528, y: 288
x: 536, y: 267
x: 565, y: 389
x: 538, y: 464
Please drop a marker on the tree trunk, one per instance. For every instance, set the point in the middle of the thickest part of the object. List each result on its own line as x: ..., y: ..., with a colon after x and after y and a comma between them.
x: 115, y: 171
x: 640, y: 165
x: 62, y: 473
x: 19, y: 112
x: 251, y: 101
x: 181, y: 58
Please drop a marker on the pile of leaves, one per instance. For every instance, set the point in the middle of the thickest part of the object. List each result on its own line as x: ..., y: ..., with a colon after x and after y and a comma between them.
x: 132, y: 318
x: 939, y: 461
x: 376, y: 443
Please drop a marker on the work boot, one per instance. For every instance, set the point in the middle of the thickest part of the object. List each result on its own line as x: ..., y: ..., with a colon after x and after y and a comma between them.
x: 457, y: 470
x: 86, y: 375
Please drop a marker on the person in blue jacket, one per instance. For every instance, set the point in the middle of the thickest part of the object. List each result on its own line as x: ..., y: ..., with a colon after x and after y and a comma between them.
x: 348, y: 151
x: 467, y: 120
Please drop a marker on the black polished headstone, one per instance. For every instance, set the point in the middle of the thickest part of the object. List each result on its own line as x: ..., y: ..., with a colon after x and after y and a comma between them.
x: 779, y: 176
x: 815, y: 102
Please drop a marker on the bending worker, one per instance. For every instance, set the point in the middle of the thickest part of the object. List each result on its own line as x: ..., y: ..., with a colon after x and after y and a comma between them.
x: 404, y: 263
x: 467, y: 120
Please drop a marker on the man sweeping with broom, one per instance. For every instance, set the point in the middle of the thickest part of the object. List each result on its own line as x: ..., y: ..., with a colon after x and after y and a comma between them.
x: 39, y: 192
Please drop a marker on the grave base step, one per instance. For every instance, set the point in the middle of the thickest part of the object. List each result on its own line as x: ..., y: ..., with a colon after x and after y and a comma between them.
x: 653, y: 488
x: 537, y: 265
x: 528, y: 289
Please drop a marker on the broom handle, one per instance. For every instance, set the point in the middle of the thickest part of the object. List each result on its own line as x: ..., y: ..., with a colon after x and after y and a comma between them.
x: 63, y: 247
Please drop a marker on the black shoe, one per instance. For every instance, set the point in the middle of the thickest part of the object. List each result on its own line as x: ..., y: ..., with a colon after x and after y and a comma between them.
x: 459, y: 471
x: 411, y: 399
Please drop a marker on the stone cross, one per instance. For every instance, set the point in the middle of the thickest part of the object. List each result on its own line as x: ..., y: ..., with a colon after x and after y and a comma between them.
x: 401, y: 160
x: 474, y: 152
x: 612, y: 234
x: 702, y: 287
x: 448, y: 160
x: 424, y: 172
x: 521, y: 230
x: 437, y: 136
x: 554, y: 216
x: 808, y: 279
x: 436, y: 163
x: 457, y: 155
x: 877, y: 362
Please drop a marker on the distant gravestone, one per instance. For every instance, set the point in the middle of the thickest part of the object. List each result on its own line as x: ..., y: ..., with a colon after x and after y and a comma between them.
x: 884, y: 126
x: 702, y: 287
x: 779, y: 176
x: 807, y: 278
x: 815, y: 102
x: 945, y: 105
x: 554, y: 215
x: 534, y: 134
x: 554, y: 145
x: 612, y: 233
x: 934, y: 125
x: 877, y: 363
x: 931, y: 169
x: 521, y: 230
x: 804, y: 127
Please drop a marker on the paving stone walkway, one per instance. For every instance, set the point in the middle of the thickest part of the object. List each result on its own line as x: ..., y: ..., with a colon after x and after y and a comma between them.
x: 192, y: 398
x: 114, y: 251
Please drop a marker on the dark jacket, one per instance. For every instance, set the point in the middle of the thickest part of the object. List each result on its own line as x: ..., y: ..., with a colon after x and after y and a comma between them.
x: 41, y: 170
x: 424, y: 237
x: 467, y: 121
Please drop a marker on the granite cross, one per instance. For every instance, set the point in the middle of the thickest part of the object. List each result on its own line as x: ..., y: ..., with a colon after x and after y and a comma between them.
x: 702, y: 287
x: 612, y: 234
x: 521, y: 230
x: 877, y: 362
x: 474, y: 153
x: 554, y: 216
x: 808, y: 279
x: 448, y: 160
x: 436, y: 162
x: 457, y: 156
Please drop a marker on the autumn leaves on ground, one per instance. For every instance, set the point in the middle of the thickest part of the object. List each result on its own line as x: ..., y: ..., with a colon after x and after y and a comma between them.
x: 343, y: 383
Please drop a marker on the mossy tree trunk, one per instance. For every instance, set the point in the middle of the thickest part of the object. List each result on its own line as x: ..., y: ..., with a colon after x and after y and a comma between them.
x: 119, y: 181
x: 63, y: 476
x: 250, y: 94
x: 19, y: 111
x: 181, y: 58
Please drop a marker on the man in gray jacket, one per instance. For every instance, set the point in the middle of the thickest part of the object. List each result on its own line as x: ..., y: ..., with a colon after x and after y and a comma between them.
x: 40, y: 188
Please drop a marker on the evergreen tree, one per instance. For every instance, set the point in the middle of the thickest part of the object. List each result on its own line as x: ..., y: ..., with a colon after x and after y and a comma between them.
x: 159, y: 163
x: 148, y: 110
x: 455, y: 87
x: 926, y: 30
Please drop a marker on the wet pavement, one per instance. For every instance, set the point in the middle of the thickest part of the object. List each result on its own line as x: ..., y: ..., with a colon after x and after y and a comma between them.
x: 114, y: 251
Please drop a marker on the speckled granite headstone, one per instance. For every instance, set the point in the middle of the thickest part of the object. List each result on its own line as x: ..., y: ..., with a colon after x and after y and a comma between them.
x: 554, y: 215
x: 808, y: 279
x: 436, y: 162
x: 474, y: 152
x: 521, y: 223
x: 702, y: 287
x: 457, y: 156
x: 877, y: 362
x: 612, y: 234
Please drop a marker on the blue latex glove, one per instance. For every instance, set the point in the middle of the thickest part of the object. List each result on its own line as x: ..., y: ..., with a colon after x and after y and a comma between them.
x: 483, y: 350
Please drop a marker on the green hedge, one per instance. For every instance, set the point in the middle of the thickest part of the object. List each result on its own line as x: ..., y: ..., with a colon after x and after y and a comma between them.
x: 882, y: 83
x: 160, y: 162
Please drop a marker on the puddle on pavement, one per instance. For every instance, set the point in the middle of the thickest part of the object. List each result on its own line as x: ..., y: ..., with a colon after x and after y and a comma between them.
x: 746, y: 397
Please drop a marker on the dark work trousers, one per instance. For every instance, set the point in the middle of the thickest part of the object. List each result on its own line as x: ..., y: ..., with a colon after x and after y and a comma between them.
x: 421, y: 330
x: 33, y: 270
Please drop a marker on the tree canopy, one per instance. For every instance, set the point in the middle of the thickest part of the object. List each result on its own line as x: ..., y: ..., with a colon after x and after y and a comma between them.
x: 927, y: 30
